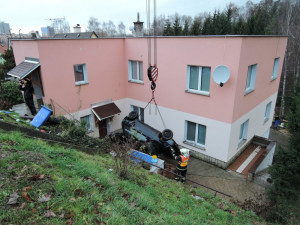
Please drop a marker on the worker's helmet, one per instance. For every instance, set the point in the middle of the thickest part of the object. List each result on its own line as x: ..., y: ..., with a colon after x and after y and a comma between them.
x: 185, y: 152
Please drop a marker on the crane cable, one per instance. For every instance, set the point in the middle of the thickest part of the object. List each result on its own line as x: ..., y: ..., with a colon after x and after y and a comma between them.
x: 153, y: 84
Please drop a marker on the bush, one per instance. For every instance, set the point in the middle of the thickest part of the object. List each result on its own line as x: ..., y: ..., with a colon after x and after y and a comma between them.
x: 121, y: 157
x: 10, y: 92
x: 5, y: 105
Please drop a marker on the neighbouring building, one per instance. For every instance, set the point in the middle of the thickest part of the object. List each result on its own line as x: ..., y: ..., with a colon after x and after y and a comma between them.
x: 101, y: 80
x: 4, y: 28
x: 3, y: 48
x: 47, y: 31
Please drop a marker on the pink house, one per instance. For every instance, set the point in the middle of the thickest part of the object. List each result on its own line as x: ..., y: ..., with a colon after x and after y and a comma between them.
x: 102, y: 80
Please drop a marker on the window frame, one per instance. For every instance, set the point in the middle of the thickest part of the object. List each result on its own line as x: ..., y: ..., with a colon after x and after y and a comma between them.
x: 200, y: 75
x: 275, y: 68
x: 251, y: 78
x: 90, y: 121
x: 267, y: 112
x: 140, y: 110
x: 194, y: 143
x: 243, y: 133
x: 139, y: 69
x: 84, y: 71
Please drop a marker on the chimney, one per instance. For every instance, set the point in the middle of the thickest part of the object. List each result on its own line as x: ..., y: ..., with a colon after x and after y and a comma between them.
x: 77, y: 29
x: 138, y: 27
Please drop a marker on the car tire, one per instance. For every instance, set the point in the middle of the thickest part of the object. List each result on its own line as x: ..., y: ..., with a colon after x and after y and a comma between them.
x: 133, y: 115
x: 167, y: 134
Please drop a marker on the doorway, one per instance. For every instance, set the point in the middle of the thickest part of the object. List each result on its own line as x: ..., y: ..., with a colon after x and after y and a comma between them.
x: 103, y: 128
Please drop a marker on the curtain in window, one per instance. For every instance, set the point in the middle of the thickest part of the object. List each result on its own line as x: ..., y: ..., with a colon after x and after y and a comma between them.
x: 141, y: 71
x: 249, y: 77
x: 134, y: 70
x: 275, y: 67
x: 241, y: 132
x: 86, y: 121
x: 194, y: 77
x: 201, y: 134
x: 191, y: 131
x: 268, y: 108
x: 78, y: 70
x: 205, y: 82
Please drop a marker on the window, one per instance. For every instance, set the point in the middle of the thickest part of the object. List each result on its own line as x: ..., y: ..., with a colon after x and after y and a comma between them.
x: 139, y: 110
x: 80, y: 74
x: 195, y: 133
x: 135, y: 71
x: 267, y: 112
x: 198, y: 79
x: 251, y: 78
x: 275, y: 68
x: 87, y: 122
x: 243, y: 133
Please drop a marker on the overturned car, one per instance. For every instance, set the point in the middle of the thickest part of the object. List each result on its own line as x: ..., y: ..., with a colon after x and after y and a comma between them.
x: 156, y: 142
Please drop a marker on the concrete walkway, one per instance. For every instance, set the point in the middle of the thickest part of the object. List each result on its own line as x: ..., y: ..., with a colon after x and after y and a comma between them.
x: 227, y: 182
x: 230, y: 182
x: 23, y: 109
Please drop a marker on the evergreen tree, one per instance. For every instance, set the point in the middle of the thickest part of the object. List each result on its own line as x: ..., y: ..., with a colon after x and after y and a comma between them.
x: 177, y: 27
x: 229, y: 28
x: 219, y: 23
x: 9, y: 63
x: 285, y: 171
x: 186, y: 30
x: 196, y: 27
x: 239, y: 27
x: 207, y: 26
x: 168, y: 31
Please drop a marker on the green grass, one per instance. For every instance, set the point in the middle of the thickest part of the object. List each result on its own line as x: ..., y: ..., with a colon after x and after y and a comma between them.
x: 83, y: 191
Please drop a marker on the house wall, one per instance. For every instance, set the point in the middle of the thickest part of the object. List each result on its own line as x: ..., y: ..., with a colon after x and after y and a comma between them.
x: 216, y: 130
x: 222, y: 112
x: 173, y: 57
x: 261, y: 51
x: 24, y: 49
x: 104, y: 59
x: 256, y: 126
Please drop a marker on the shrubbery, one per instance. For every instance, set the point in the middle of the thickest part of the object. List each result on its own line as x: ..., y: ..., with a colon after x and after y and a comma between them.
x: 10, y: 94
x: 5, y: 105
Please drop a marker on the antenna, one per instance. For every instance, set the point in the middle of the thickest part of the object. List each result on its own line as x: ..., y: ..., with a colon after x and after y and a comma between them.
x: 221, y: 75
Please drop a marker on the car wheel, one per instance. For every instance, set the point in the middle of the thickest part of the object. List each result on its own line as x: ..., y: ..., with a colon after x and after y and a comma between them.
x: 167, y: 134
x: 133, y: 115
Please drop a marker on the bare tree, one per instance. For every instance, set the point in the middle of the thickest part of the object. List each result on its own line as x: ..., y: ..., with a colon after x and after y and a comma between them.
x: 121, y: 29
x: 61, y: 25
x: 290, y: 26
x: 160, y: 25
x: 93, y: 25
x: 108, y: 29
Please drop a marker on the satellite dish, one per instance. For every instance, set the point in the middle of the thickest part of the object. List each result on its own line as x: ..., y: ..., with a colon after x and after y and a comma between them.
x: 221, y: 75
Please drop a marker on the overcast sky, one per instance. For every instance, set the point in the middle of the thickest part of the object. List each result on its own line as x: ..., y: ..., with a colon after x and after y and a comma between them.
x: 30, y: 15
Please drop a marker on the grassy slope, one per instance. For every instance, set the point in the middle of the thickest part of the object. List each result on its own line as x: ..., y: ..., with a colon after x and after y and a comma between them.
x: 83, y: 191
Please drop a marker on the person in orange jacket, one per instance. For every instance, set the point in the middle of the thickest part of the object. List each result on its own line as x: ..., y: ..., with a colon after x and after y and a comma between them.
x: 181, y: 167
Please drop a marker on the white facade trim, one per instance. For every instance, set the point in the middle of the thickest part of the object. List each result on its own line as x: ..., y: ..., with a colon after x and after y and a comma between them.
x: 222, y: 138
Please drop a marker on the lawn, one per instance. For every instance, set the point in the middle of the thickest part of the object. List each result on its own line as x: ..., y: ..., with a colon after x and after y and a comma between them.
x: 45, y: 184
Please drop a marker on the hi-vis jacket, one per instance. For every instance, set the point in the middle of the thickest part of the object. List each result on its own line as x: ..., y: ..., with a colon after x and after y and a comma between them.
x: 183, y: 161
